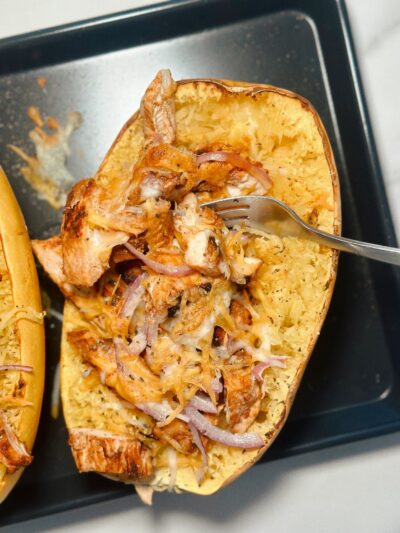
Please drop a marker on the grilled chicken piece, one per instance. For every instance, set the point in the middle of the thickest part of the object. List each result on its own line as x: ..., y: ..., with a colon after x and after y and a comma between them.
x: 107, y: 453
x: 161, y: 234
x: 164, y: 291
x: 243, y: 394
x: 94, y: 306
x: 213, y: 175
x: 178, y: 435
x: 86, y: 250
x: 240, y: 313
x: 13, y: 454
x: 49, y: 255
x: 220, y: 337
x: 158, y: 109
x: 200, y: 231
x: 167, y: 157
x: 166, y: 171
x: 126, y: 373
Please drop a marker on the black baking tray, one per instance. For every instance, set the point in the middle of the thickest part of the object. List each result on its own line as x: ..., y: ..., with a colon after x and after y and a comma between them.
x: 101, y: 67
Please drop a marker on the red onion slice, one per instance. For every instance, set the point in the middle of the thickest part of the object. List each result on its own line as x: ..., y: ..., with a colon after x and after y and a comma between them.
x: 201, y: 472
x: 135, y: 347
x: 183, y: 418
x: 277, y: 360
x: 160, y: 268
x: 238, y: 161
x: 158, y: 411
x: 258, y: 371
x: 21, y: 368
x: 273, y: 360
x: 133, y: 295
x: 235, y: 440
x: 152, y: 328
x: 216, y: 384
x: 201, y: 402
x: 138, y: 343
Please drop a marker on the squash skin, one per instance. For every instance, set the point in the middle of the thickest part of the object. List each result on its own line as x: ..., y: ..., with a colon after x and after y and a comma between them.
x: 25, y: 291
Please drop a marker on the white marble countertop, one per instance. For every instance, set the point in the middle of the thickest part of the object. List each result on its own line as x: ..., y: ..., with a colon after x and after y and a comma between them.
x: 348, y: 488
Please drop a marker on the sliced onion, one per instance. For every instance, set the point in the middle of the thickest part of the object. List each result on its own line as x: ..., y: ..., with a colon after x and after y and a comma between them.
x: 133, y: 296
x: 138, y: 343
x: 21, y: 368
x: 152, y: 328
x: 216, y: 384
x: 183, y: 418
x: 135, y: 347
x: 235, y: 440
x: 201, y: 402
x: 158, y: 411
x: 15, y: 443
x: 276, y: 360
x: 204, y: 459
x: 160, y: 268
x: 273, y: 360
x: 238, y: 161
x: 258, y: 371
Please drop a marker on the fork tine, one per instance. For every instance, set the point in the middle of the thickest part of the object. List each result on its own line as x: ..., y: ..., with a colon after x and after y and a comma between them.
x: 227, y: 203
x: 230, y: 222
x: 240, y: 212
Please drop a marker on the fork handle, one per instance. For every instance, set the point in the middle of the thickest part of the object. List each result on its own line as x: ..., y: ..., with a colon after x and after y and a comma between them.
x: 385, y: 254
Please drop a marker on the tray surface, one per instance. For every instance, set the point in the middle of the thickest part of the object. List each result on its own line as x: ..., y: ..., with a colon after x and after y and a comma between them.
x: 101, y: 68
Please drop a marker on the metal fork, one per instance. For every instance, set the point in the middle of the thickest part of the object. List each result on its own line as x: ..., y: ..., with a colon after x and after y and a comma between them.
x: 273, y: 216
